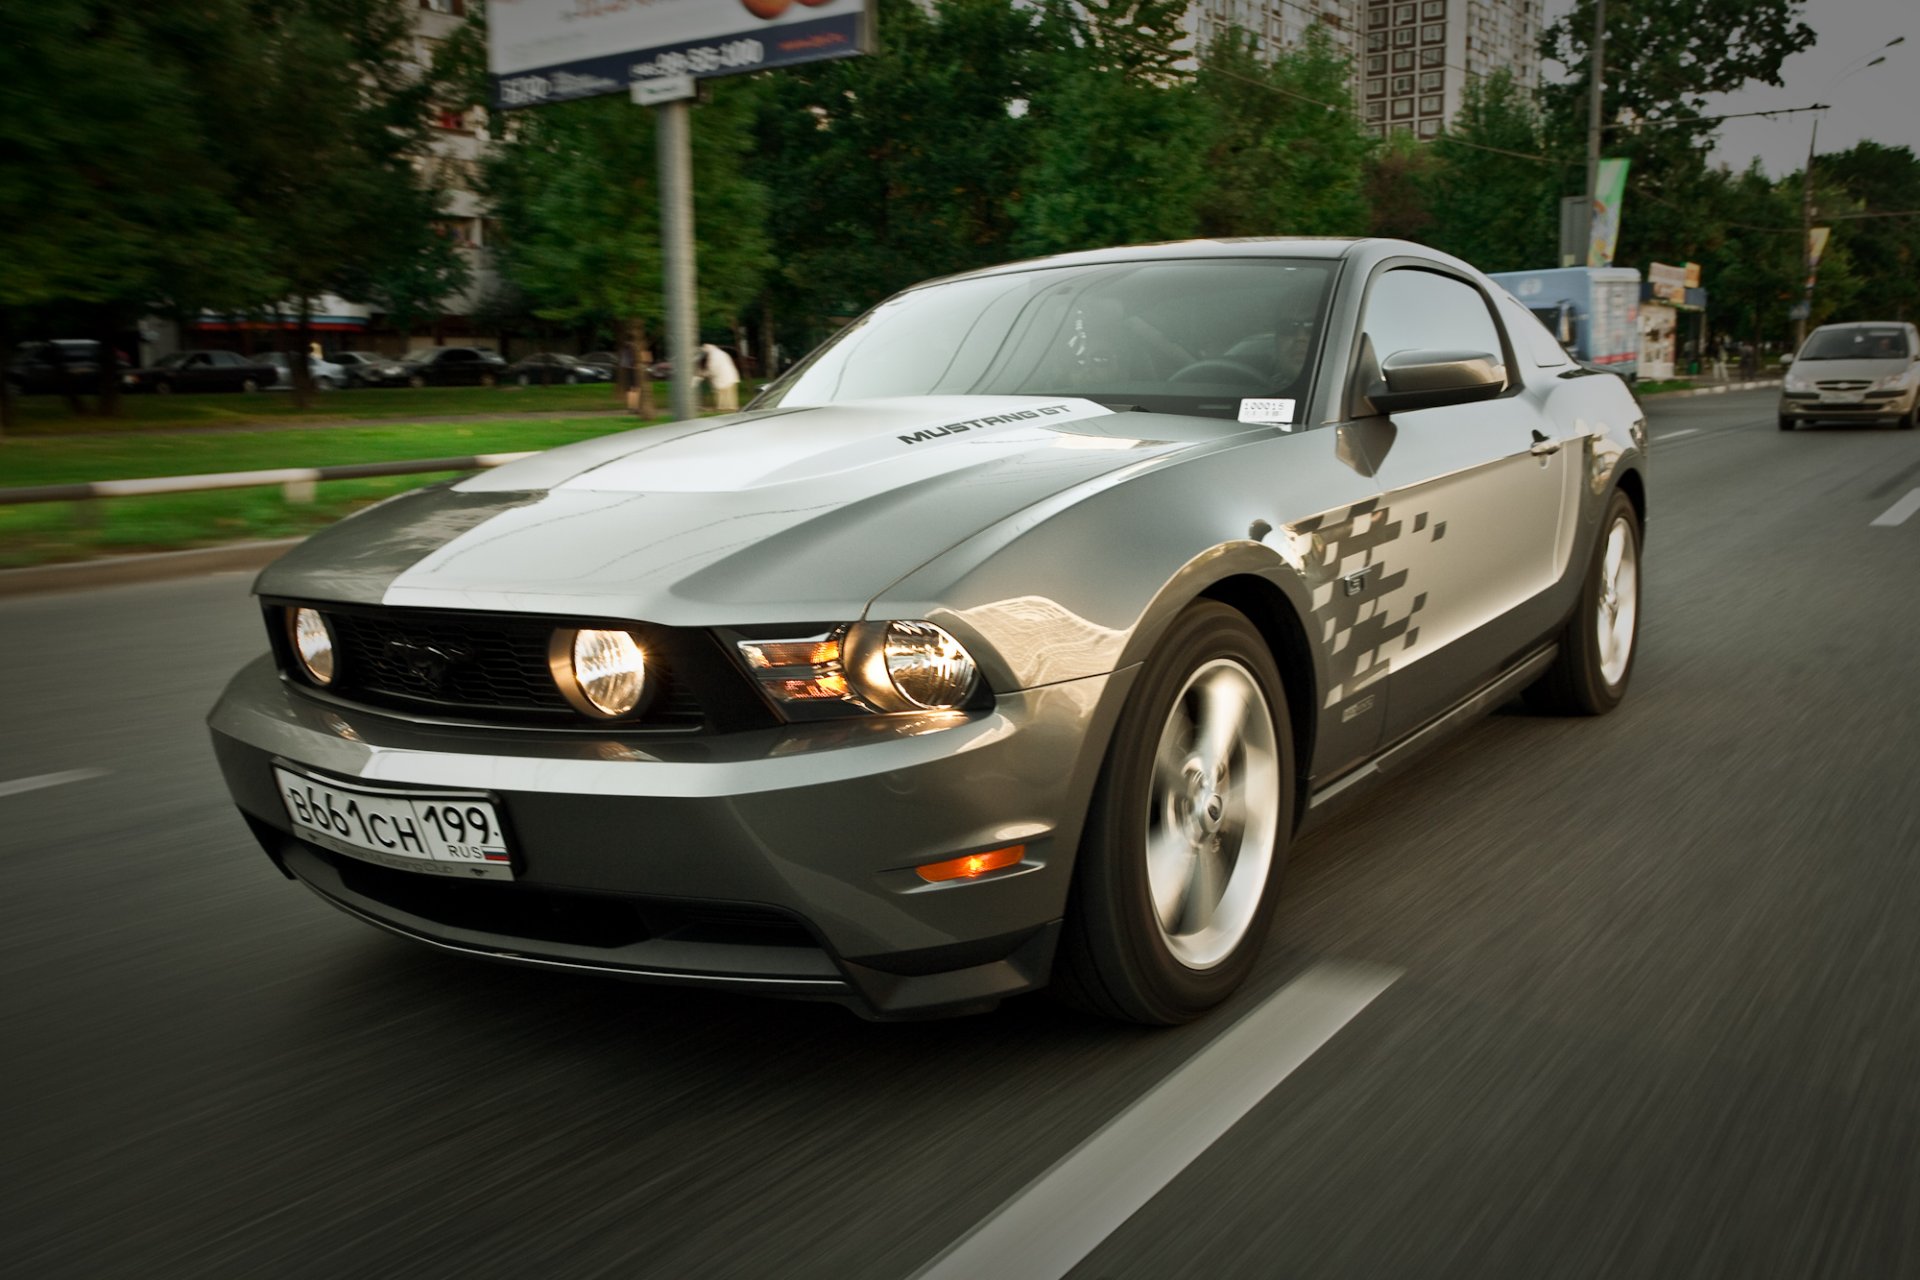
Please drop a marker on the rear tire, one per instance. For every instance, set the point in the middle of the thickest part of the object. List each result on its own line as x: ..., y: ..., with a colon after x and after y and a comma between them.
x: 416, y: 381
x: 1602, y: 639
x: 1180, y: 864
x: 249, y: 386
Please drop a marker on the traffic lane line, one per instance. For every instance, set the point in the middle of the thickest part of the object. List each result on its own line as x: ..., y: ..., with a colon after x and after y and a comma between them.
x: 1047, y: 1227
x: 1901, y: 511
x: 38, y: 781
x: 1675, y: 435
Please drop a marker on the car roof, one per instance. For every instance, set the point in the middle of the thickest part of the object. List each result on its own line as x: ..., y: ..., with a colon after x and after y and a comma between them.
x: 1324, y: 248
x: 1867, y: 324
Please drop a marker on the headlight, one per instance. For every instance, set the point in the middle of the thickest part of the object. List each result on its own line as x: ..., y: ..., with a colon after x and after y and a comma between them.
x: 1799, y: 384
x: 313, y: 645
x: 877, y: 666
x: 1896, y: 381
x: 601, y: 673
x: 391, y: 371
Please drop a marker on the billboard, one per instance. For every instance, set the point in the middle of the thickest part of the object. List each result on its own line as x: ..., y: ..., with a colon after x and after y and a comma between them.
x: 1604, y: 232
x: 542, y: 51
x: 1669, y: 284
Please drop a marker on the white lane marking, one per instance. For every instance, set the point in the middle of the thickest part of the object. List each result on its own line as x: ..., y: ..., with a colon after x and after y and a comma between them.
x: 1048, y: 1226
x: 38, y: 781
x: 1900, y: 511
x: 1675, y: 435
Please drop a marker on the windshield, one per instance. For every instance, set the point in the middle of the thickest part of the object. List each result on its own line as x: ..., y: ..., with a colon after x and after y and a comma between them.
x: 1857, y: 344
x: 1184, y: 336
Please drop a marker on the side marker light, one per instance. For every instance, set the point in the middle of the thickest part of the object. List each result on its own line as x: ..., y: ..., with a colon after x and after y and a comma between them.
x: 973, y: 864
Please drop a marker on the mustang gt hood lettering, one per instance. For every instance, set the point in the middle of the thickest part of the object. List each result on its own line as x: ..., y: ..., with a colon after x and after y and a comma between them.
x: 778, y: 517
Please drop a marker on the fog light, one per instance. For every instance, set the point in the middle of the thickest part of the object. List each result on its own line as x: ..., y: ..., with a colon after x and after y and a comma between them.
x: 973, y: 864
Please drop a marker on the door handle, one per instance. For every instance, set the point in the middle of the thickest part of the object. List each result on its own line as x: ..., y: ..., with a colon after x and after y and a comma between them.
x: 1542, y: 447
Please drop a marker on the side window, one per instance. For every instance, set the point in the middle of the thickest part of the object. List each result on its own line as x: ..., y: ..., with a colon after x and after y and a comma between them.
x: 1530, y: 336
x: 227, y: 360
x: 1413, y: 310
x: 200, y: 361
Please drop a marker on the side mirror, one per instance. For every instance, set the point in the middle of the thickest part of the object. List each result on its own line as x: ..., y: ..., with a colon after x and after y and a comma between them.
x: 1430, y: 379
x: 1786, y: 358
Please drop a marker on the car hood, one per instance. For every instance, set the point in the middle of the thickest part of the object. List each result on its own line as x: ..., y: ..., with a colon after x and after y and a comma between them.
x: 783, y: 515
x: 1846, y: 370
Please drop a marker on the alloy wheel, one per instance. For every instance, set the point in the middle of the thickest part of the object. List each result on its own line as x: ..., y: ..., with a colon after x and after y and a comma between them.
x: 1213, y: 813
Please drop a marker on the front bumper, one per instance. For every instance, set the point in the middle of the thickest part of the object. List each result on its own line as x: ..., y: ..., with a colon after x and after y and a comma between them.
x: 778, y: 861
x: 1878, y: 406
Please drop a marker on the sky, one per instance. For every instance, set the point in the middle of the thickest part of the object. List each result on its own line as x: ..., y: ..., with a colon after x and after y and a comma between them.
x: 1881, y: 103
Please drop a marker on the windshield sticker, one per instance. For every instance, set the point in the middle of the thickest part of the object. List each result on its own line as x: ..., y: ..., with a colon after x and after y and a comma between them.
x: 1277, y: 413
x: 990, y: 420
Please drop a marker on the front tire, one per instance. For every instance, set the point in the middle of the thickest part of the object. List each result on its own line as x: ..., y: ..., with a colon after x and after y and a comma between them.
x: 1180, y: 863
x: 1597, y: 649
x: 1786, y: 423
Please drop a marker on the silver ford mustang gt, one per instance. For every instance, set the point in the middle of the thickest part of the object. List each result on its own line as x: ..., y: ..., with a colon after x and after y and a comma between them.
x: 1009, y: 639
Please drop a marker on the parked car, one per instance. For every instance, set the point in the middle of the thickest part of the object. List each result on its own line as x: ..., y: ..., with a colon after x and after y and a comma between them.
x: 201, y: 371
x: 546, y: 367
x: 1016, y: 632
x: 1848, y: 372
x: 327, y: 375
x: 608, y: 360
x: 58, y: 367
x: 359, y: 367
x: 453, y: 367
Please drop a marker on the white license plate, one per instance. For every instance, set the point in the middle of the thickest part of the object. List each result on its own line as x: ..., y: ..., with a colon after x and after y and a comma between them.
x: 1839, y: 397
x: 440, y: 834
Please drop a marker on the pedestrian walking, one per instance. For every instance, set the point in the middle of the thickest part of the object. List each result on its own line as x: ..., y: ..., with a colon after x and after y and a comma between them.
x: 723, y: 376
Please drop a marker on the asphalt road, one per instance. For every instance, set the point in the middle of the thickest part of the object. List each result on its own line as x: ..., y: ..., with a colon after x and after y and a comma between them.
x: 1656, y: 1012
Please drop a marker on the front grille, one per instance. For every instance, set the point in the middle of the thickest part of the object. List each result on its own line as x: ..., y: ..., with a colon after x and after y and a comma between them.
x: 495, y: 667
x: 1844, y: 384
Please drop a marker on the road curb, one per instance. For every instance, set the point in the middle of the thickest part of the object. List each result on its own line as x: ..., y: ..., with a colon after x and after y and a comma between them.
x: 82, y: 575
x: 1720, y: 390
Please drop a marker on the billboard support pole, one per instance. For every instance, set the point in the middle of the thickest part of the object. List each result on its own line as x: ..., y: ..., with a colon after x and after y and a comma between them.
x: 674, y: 144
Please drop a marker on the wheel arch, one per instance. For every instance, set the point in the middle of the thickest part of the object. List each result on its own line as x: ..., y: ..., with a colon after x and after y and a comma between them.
x: 1272, y: 614
x: 1634, y: 485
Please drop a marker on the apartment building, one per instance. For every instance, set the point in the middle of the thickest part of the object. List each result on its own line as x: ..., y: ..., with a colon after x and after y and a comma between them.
x: 1413, y: 59
x: 1279, y: 24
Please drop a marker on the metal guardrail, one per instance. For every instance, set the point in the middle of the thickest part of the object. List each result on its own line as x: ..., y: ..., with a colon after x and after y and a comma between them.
x: 297, y: 482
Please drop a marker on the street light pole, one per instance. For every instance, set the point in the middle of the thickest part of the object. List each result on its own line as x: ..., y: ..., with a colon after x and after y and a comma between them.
x: 1596, y: 65
x: 1806, y: 242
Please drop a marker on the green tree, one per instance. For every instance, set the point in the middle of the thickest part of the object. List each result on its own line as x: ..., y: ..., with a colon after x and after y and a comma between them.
x: 1115, y: 152
x: 112, y: 196
x: 1494, y: 191
x: 573, y: 188
x: 1663, y: 59
x: 1879, y: 180
x: 333, y: 167
x: 1285, y: 152
x: 883, y: 170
